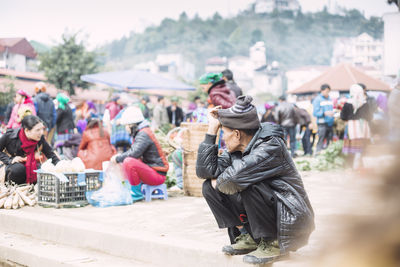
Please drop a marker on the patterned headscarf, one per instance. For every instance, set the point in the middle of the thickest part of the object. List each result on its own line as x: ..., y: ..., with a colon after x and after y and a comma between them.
x: 357, y: 96
x: 62, y: 100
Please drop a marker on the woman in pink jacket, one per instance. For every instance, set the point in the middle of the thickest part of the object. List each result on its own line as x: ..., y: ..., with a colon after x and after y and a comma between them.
x: 22, y: 101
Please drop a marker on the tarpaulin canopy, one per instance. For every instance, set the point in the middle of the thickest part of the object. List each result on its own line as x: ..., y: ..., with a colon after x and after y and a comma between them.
x: 341, y: 78
x: 134, y: 79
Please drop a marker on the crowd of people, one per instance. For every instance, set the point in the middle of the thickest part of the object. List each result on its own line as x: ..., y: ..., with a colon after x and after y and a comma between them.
x: 250, y: 175
x: 96, y: 133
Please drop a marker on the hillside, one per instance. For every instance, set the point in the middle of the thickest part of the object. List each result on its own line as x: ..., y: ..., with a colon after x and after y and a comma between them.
x: 291, y: 39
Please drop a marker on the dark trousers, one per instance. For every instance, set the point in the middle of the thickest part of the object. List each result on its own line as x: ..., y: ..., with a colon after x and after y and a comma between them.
x: 306, y: 142
x: 324, y: 132
x: 16, y: 173
x: 291, y: 131
x: 256, y: 206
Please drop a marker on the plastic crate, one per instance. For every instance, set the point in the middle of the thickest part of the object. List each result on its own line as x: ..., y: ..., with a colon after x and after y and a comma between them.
x: 94, y: 180
x: 54, y: 193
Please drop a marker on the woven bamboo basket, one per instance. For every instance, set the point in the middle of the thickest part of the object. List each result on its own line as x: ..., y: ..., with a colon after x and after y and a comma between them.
x: 193, y: 135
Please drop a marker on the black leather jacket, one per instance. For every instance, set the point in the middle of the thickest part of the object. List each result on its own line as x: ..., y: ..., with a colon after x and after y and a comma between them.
x: 285, y: 114
x: 265, y: 158
x: 11, y: 143
x: 147, y: 148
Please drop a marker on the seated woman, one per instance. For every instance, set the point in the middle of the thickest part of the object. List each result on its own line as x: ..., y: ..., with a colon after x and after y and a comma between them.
x: 18, y: 148
x: 95, y: 146
x: 253, y: 188
x: 145, y: 161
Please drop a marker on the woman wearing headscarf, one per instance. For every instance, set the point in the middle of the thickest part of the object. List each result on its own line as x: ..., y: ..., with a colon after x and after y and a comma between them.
x: 357, y: 113
x: 65, y: 121
x: 22, y: 101
x: 268, y: 116
x: 18, y: 148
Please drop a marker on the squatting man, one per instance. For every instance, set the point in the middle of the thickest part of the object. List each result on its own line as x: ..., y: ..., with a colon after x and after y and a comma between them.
x: 253, y: 188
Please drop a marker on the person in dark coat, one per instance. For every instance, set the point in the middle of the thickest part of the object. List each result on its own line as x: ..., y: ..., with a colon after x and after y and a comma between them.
x: 227, y: 75
x: 18, y: 148
x: 253, y: 188
x: 285, y: 116
x: 144, y: 101
x: 304, y: 120
x: 218, y: 92
x: 44, y: 105
x: 64, y: 123
x: 175, y: 113
x: 65, y: 119
x: 7, y: 113
x: 268, y: 116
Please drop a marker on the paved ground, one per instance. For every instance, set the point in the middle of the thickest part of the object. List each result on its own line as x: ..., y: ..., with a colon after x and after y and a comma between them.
x: 182, y: 229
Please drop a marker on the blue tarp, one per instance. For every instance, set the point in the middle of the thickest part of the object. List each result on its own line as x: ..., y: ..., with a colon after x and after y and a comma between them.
x: 133, y: 79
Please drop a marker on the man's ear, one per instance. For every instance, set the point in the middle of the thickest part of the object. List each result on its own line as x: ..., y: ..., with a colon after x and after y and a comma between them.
x: 238, y: 134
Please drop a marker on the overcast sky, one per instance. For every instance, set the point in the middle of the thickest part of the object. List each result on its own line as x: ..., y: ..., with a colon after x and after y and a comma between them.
x: 105, y: 20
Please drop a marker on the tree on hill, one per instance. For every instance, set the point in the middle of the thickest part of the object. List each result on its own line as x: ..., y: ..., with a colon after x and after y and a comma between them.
x: 64, y: 64
x: 292, y: 39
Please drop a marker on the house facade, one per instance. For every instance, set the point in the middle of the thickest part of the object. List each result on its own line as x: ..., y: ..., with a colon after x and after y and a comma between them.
x: 360, y: 51
x: 15, y: 53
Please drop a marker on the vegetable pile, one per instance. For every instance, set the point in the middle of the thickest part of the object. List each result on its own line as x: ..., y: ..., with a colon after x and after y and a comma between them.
x: 17, y: 196
x: 329, y: 159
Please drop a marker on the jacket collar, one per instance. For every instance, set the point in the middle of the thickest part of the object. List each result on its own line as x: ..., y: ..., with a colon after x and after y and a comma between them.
x: 14, y: 133
x: 266, y: 130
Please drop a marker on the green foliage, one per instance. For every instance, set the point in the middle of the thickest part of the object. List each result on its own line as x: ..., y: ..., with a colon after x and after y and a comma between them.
x: 8, y: 91
x: 329, y: 159
x: 64, y: 64
x: 170, y: 179
x: 293, y: 40
x: 303, y: 165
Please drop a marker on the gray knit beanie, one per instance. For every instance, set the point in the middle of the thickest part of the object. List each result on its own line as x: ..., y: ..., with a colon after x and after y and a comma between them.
x: 241, y: 116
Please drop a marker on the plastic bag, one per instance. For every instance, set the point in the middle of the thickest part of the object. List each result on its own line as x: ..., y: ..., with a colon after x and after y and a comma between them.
x: 113, y: 192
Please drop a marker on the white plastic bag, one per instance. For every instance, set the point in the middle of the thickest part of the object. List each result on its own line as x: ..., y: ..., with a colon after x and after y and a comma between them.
x: 113, y: 192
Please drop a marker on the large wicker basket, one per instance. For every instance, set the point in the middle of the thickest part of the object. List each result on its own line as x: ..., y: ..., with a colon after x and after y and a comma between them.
x: 193, y: 135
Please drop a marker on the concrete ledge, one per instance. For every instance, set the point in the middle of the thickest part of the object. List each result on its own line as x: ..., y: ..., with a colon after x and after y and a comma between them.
x: 27, y: 251
x: 146, y: 246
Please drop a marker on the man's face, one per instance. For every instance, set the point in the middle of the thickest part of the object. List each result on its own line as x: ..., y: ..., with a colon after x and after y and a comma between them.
x: 231, y: 138
x: 326, y: 92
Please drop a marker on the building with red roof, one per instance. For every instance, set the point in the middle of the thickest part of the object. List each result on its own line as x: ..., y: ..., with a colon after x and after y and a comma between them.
x: 15, y: 53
